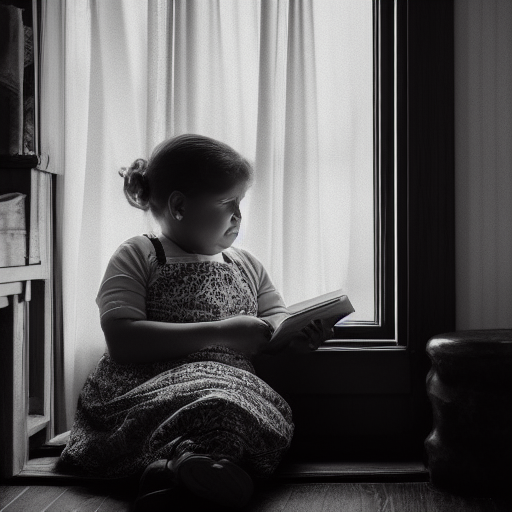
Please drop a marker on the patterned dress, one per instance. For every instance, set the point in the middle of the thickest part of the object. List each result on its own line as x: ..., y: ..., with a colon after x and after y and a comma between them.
x: 211, y: 402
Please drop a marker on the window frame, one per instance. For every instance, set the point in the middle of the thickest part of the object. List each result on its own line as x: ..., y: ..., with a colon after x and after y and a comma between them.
x: 389, y: 67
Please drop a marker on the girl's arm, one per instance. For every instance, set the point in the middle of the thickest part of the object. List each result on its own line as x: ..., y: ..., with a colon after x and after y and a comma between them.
x: 131, y: 338
x: 146, y: 341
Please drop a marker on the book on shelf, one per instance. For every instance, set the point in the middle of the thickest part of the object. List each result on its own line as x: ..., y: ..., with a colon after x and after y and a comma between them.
x: 12, y: 54
x: 330, y: 307
x: 17, y: 82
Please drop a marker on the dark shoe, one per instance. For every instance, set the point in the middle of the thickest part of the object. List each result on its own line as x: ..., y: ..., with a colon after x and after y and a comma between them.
x: 221, y: 482
x: 156, y: 488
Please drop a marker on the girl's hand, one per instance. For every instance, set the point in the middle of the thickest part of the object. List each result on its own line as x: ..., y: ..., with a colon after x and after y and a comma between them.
x: 246, y: 333
x: 312, y: 336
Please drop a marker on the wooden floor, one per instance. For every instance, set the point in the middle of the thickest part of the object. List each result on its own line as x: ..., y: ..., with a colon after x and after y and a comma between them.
x: 275, y: 497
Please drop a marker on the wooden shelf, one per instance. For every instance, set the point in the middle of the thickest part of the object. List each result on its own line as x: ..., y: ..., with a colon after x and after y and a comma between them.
x: 11, y: 288
x: 25, y: 273
x: 35, y: 423
x: 26, y: 291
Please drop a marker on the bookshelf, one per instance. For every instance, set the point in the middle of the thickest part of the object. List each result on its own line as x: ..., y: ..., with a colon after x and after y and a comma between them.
x: 26, y: 287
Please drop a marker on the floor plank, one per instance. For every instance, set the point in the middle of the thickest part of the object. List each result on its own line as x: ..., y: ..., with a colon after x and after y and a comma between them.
x: 10, y: 493
x: 306, y: 497
x: 352, y: 498
x: 79, y: 499
x: 273, y: 497
x: 399, y: 496
x: 35, y: 499
x: 115, y: 504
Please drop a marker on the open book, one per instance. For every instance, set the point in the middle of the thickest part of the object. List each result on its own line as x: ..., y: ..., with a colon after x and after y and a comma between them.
x: 332, y: 307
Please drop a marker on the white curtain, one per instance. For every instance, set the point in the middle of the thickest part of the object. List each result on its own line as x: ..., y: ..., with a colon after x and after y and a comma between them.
x: 286, y: 83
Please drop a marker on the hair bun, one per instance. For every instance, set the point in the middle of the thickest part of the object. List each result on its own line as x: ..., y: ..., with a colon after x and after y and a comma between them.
x: 136, y: 188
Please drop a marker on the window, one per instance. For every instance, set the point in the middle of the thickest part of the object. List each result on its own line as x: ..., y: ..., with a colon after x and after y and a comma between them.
x: 301, y: 105
x: 388, y: 69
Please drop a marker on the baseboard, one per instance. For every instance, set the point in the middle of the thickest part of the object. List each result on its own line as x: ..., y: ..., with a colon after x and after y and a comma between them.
x: 354, y: 471
x: 44, y: 469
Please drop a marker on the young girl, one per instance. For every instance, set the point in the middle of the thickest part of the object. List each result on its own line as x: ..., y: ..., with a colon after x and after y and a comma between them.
x: 175, y: 397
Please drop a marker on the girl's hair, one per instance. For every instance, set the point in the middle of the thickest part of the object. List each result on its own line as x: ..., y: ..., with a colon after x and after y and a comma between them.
x: 189, y: 163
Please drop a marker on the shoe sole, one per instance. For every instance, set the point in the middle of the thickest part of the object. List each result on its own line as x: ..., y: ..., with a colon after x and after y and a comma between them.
x: 157, y: 501
x: 221, y: 482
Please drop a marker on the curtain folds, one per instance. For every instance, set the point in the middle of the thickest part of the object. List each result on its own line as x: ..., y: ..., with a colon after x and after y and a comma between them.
x: 119, y: 77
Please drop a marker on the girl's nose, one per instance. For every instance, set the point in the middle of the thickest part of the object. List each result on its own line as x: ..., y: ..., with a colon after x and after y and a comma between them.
x: 237, y: 213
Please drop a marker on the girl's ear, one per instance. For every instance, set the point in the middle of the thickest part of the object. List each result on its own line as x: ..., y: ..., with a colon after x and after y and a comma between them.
x: 176, y: 205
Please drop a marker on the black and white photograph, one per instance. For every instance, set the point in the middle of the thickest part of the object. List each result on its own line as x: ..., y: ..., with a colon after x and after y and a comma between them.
x: 255, y: 255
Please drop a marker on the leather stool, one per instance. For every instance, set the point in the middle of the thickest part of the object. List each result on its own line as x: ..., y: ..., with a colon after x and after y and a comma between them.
x: 470, y: 389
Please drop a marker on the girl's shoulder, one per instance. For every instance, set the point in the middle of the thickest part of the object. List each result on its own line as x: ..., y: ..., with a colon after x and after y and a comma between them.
x: 139, y: 245
x: 134, y: 255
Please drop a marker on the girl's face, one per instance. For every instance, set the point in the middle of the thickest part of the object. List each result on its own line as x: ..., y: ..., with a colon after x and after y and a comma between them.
x: 210, y: 222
